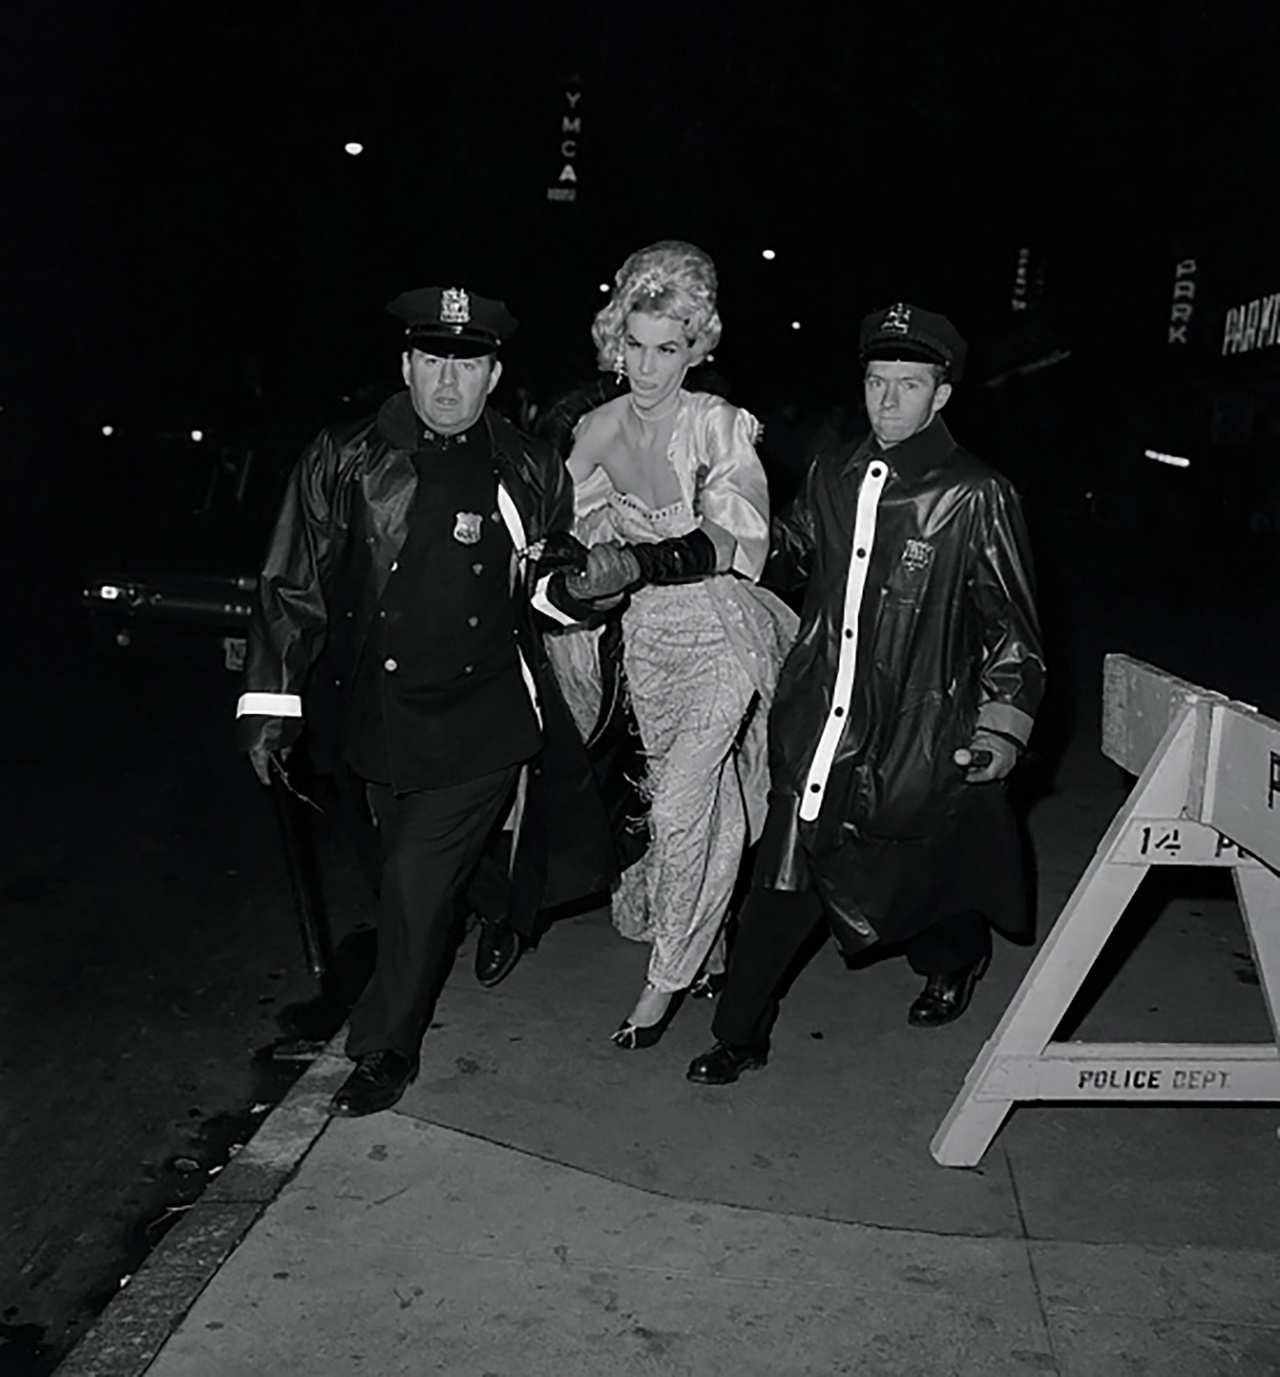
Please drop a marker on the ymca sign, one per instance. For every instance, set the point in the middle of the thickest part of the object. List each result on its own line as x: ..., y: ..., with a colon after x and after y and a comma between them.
x: 570, y: 132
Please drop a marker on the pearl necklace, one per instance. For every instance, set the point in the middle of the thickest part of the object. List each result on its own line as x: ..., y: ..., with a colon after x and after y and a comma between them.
x: 650, y: 419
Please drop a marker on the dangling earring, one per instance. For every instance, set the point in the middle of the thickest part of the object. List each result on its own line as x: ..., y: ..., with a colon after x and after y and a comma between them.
x: 619, y: 364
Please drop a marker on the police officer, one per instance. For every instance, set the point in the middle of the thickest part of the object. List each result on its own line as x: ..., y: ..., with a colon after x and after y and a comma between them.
x: 907, y: 697
x: 413, y: 543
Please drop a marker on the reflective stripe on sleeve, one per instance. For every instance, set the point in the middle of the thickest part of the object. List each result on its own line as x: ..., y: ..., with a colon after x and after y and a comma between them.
x: 1004, y: 717
x: 269, y: 705
x: 864, y: 534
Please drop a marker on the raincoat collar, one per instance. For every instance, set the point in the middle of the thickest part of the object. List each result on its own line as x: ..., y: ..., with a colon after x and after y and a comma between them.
x: 925, y: 451
x: 398, y: 422
x: 400, y: 425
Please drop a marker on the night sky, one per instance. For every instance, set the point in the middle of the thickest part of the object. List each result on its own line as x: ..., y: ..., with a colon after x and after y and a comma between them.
x: 182, y: 230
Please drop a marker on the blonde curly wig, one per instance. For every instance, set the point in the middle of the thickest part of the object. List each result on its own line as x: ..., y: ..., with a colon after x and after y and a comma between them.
x: 671, y: 279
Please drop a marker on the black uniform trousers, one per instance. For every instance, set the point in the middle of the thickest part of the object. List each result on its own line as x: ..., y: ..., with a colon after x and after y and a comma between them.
x: 432, y: 843
x: 776, y: 924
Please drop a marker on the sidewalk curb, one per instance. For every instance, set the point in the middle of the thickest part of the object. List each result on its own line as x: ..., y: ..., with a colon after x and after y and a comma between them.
x: 125, y: 1339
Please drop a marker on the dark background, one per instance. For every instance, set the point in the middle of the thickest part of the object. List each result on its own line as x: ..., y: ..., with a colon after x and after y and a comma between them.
x: 184, y: 243
x: 181, y: 224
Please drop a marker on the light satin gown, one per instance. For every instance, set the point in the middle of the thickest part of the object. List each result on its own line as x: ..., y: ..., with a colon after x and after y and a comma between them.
x: 699, y: 657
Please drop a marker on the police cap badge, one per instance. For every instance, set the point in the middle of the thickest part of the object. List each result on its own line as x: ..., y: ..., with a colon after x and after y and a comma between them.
x: 452, y: 322
x: 906, y: 332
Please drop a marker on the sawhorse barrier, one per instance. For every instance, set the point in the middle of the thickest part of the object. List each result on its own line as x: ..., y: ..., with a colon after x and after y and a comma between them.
x: 1208, y: 794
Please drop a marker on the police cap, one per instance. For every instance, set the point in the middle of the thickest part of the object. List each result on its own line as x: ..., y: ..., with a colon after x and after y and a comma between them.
x: 452, y: 322
x: 902, y: 331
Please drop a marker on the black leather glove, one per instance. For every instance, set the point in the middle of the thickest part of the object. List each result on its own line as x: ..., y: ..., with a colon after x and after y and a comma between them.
x: 682, y: 559
x: 262, y: 737
x: 610, y: 570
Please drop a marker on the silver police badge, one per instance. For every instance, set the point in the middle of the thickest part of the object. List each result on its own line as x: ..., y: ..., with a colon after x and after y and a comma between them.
x: 468, y: 527
x: 899, y: 319
x: 455, y: 307
x: 917, y: 555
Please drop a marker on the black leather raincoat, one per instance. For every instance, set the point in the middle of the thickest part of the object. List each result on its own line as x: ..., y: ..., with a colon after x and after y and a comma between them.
x: 342, y: 524
x: 939, y: 635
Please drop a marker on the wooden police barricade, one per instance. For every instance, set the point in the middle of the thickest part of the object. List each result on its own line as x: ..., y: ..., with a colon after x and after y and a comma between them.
x: 1208, y: 793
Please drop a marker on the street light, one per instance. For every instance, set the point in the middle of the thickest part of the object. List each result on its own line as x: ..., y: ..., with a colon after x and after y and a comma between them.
x: 768, y: 254
x: 355, y: 149
x: 1177, y: 461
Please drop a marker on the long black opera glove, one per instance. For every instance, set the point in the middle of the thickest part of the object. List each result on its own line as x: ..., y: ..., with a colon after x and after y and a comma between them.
x: 682, y: 559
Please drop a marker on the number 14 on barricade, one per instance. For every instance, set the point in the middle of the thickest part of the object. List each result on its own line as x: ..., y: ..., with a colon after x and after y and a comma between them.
x: 1176, y: 841
x: 1208, y: 794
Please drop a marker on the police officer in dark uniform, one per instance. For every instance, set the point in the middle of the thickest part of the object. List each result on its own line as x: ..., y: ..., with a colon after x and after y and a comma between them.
x: 908, y: 696
x: 418, y: 544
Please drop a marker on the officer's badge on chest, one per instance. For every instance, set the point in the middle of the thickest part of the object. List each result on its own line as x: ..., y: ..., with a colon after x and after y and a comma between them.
x: 468, y: 527
x: 917, y: 555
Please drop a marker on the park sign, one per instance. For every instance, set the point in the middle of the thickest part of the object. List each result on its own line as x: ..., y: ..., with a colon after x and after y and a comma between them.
x: 1253, y: 325
x: 1182, y: 307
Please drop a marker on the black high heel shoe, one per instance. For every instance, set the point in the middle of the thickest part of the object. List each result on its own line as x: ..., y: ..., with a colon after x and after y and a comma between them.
x: 632, y: 1037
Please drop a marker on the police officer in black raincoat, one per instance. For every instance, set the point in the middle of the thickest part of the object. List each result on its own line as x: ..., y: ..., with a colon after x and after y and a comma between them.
x: 418, y: 550
x: 907, y: 698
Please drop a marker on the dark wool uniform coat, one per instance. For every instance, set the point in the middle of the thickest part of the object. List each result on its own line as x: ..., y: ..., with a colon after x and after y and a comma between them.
x: 919, y: 625
x: 343, y: 522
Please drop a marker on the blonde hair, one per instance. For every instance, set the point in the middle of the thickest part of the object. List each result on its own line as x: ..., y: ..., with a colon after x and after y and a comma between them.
x: 671, y: 279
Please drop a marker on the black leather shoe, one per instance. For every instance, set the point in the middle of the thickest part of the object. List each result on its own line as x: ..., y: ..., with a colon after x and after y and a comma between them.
x: 724, y: 1064
x: 497, y: 951
x: 945, y: 997
x: 378, y: 1081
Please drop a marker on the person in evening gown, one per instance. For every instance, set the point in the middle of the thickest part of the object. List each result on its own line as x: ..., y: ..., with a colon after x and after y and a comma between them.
x: 672, y: 501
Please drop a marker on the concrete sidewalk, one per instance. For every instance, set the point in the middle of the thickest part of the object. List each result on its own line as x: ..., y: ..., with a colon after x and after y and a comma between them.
x: 401, y: 1247
x: 542, y: 1203
x: 398, y: 1245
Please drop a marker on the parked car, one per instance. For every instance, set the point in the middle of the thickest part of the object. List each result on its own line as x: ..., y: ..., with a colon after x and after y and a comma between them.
x: 176, y: 569
x: 131, y: 610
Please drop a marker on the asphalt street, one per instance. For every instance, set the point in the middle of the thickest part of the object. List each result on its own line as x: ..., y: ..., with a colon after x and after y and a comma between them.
x: 151, y: 959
